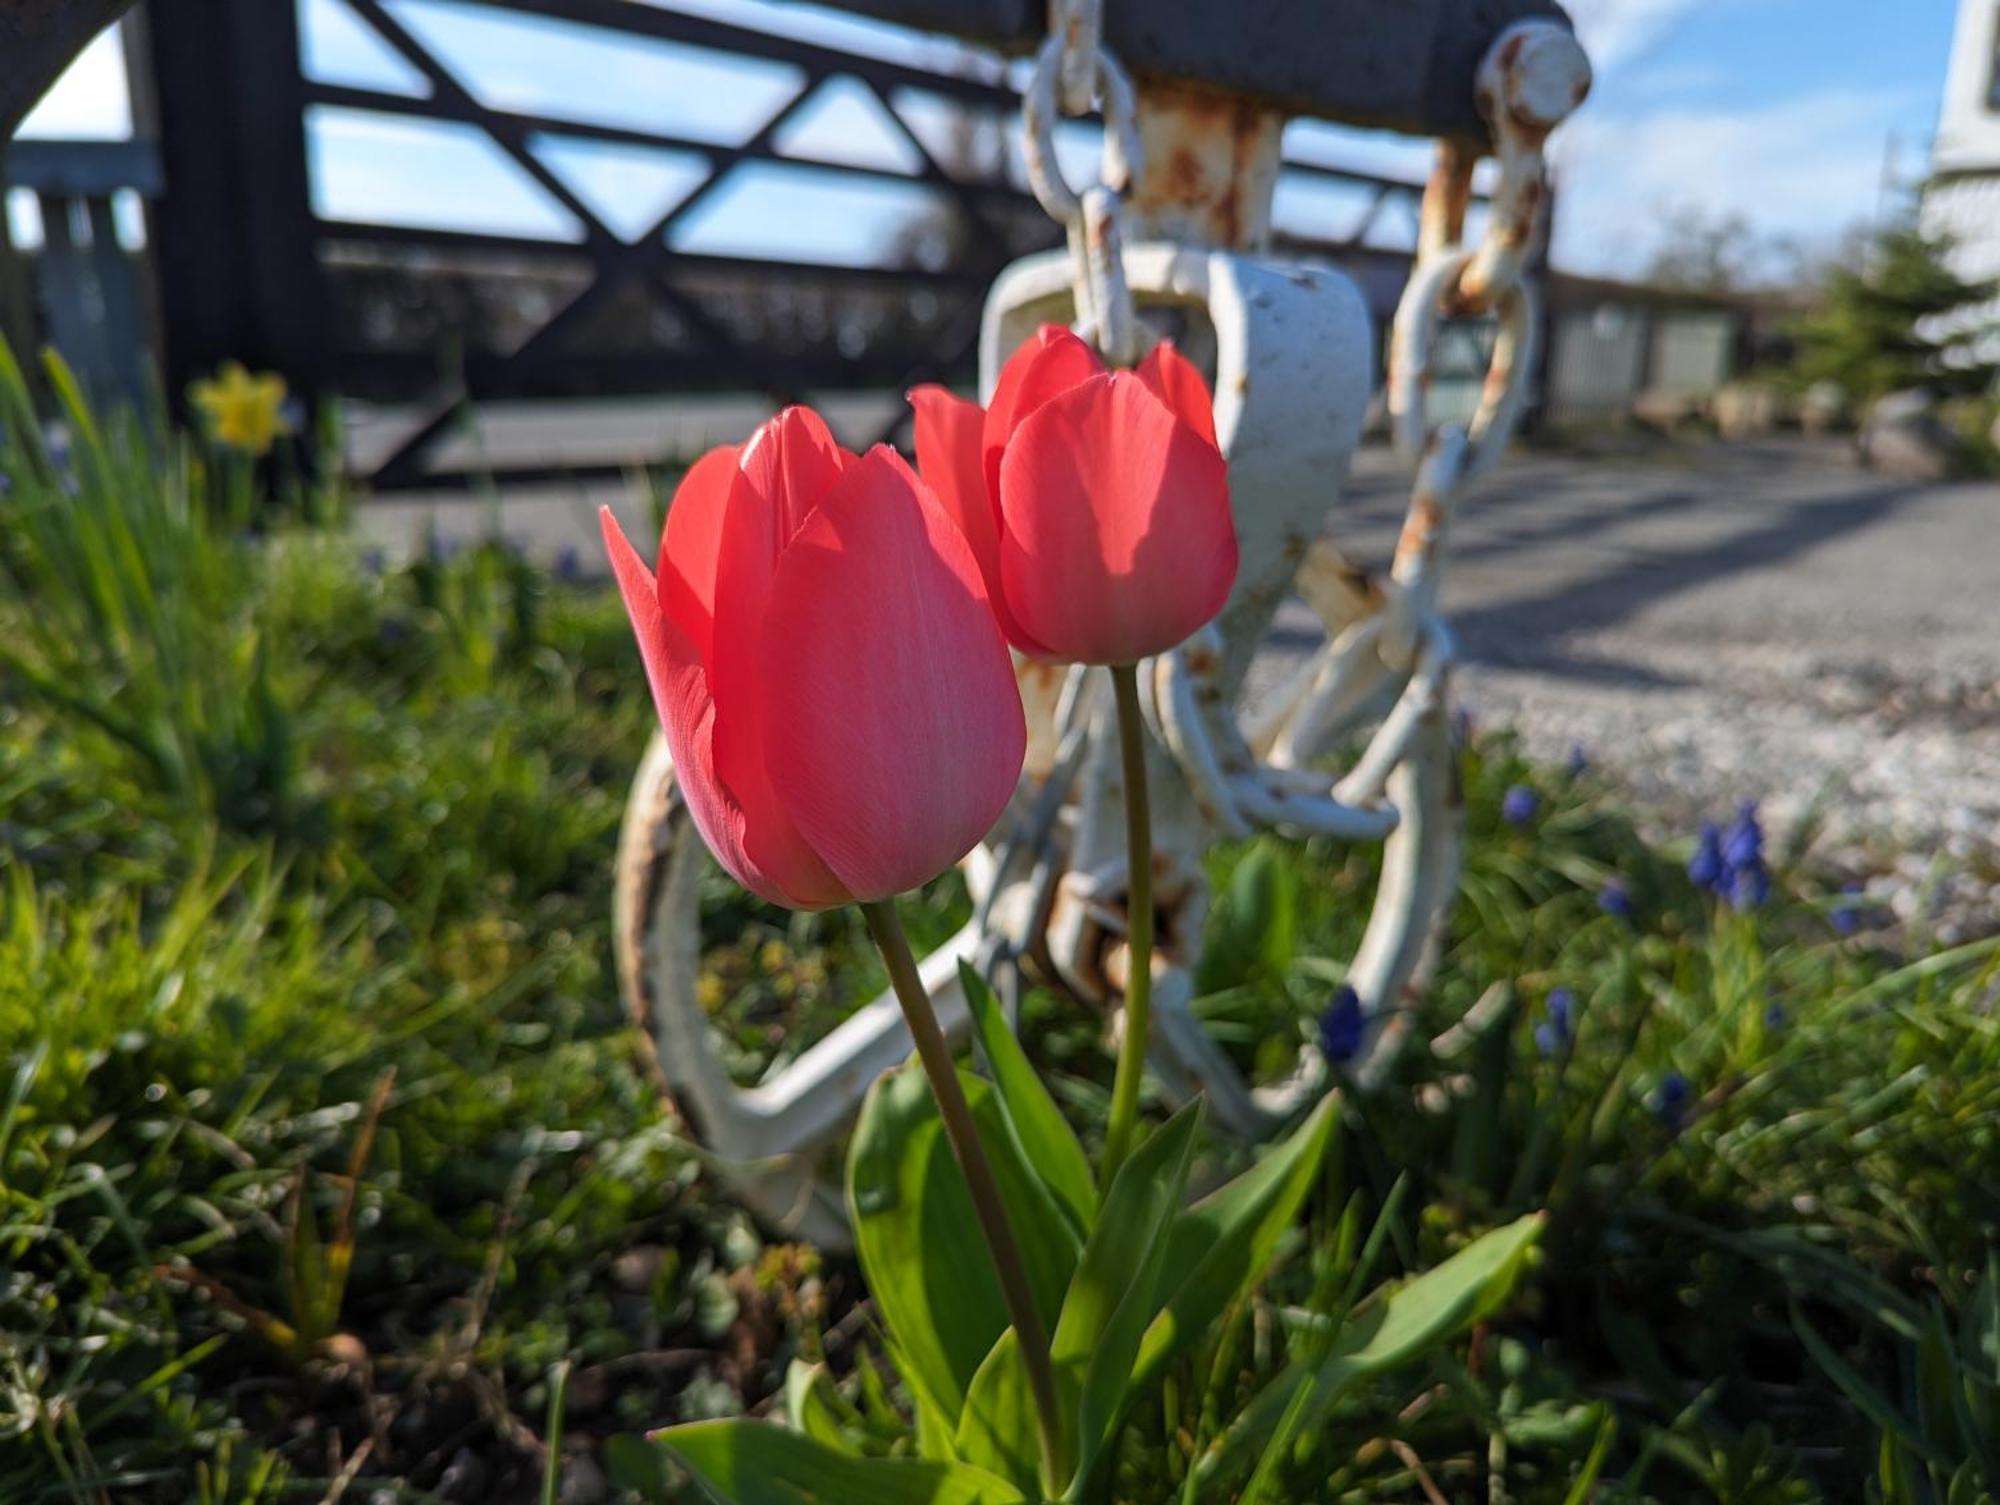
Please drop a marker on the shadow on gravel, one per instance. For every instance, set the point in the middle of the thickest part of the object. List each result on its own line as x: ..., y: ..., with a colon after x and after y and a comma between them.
x: 1530, y: 631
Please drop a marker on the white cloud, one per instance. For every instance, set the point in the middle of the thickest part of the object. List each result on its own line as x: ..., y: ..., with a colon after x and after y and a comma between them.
x: 1616, y: 32
x: 1805, y: 168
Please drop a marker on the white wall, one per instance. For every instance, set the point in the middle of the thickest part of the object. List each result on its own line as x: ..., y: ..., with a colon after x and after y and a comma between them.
x: 1969, y: 127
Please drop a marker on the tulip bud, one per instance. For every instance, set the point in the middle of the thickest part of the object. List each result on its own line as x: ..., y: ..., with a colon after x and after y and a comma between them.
x: 838, y: 699
x: 1096, y: 501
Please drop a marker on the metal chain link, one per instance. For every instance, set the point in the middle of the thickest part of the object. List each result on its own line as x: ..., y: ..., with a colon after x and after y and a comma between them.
x: 1079, y: 26
x: 1532, y: 77
x: 1072, y: 70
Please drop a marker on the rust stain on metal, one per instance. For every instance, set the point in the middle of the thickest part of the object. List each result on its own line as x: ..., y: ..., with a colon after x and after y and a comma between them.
x: 1500, y: 374
x: 1420, y: 528
x: 1045, y: 678
x: 1211, y: 163
x: 1441, y: 222
x: 1521, y: 228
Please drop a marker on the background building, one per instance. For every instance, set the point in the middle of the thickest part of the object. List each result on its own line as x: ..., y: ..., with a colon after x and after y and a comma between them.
x: 1964, y: 196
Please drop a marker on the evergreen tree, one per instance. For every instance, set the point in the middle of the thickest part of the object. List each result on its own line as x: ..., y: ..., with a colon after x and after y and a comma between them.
x: 1901, y: 319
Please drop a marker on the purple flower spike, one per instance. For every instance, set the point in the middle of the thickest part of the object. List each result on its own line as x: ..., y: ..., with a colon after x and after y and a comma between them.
x: 1670, y: 1103
x: 1749, y: 885
x: 1561, y: 1006
x: 1743, y: 844
x: 1553, y: 1033
x: 1706, y: 869
x: 1342, y: 1027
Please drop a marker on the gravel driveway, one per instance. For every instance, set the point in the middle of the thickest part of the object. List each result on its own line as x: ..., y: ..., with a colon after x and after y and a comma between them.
x: 1753, y: 621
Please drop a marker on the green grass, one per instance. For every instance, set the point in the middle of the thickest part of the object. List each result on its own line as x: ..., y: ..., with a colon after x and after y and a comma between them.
x: 321, y: 1128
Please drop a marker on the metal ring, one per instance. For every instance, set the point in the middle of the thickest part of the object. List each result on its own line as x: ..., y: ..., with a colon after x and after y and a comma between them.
x: 1418, y: 316
x: 1080, y: 24
x: 1505, y: 391
x: 1040, y: 112
x: 1112, y: 311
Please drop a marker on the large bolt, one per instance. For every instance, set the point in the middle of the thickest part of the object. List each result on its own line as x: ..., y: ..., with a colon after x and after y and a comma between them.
x: 1538, y: 71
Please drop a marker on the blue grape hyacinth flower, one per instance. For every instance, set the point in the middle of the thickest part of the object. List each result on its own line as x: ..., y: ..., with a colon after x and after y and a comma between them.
x: 1342, y: 1027
x: 1670, y: 1102
x: 1743, y: 843
x: 1615, y: 899
x: 1519, y: 804
x: 1707, y: 869
x: 1846, y: 915
x: 1578, y: 762
x: 1749, y: 885
x: 1553, y: 1033
x: 1774, y: 1017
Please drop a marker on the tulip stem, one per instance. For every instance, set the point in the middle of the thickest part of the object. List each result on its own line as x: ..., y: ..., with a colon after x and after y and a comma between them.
x: 1124, y: 1123
x: 1029, y: 1334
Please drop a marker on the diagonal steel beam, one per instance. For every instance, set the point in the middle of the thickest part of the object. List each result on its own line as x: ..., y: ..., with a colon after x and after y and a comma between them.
x: 505, y: 133
x: 621, y: 262
x: 932, y: 171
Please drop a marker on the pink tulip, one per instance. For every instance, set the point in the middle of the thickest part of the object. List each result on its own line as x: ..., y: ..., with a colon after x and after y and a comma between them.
x: 840, y: 705
x: 1095, y: 501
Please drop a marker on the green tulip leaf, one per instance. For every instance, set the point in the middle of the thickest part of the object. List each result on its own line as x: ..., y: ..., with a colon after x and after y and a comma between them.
x: 1408, y: 1323
x: 1043, y: 1136
x: 925, y: 1260
x: 997, y: 1431
x: 1219, y: 1247
x: 755, y: 1463
x: 1116, y: 1294
x: 934, y: 1427
x: 814, y: 1406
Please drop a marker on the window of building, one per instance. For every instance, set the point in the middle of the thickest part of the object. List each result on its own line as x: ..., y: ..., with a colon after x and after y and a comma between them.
x: 1993, y: 76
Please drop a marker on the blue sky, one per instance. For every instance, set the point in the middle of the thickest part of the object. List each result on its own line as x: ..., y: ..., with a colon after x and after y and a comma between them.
x: 1779, y: 110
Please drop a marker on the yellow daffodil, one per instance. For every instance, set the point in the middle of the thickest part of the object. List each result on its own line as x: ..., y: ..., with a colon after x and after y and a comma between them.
x: 245, y: 411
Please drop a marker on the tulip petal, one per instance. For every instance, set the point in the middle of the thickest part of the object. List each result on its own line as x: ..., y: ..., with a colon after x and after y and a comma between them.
x: 691, y: 545
x: 894, y: 727
x: 1117, y: 540
x: 687, y: 714
x: 952, y: 464
x: 784, y: 468
x: 948, y: 458
x: 792, y: 461
x: 1052, y: 361
x: 1177, y: 383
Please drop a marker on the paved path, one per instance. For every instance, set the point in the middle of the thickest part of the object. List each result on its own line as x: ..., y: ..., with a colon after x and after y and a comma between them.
x: 1734, y: 622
